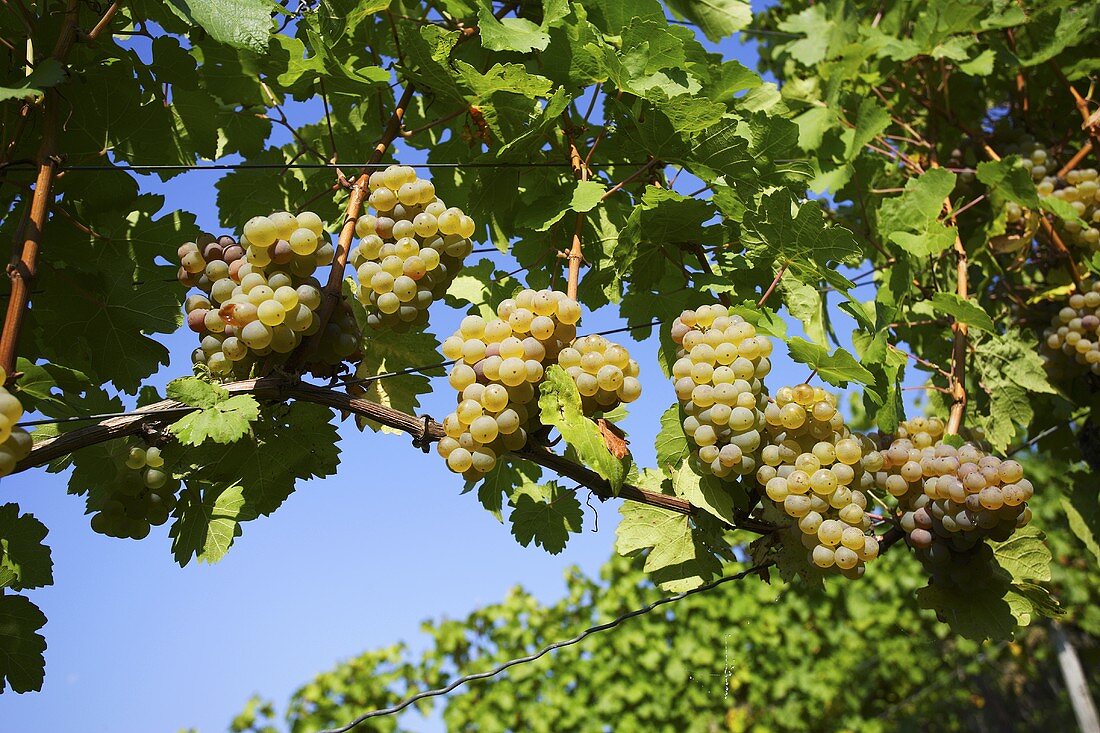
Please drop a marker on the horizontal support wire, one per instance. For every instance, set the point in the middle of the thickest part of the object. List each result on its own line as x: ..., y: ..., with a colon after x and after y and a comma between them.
x: 545, y: 650
x: 30, y: 165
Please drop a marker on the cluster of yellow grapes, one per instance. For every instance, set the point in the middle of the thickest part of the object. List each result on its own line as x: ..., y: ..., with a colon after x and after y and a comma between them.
x: 951, y: 498
x: 143, y: 496
x: 1082, y: 192
x: 15, y: 442
x: 502, y: 360
x: 259, y: 296
x: 603, y: 371
x: 1080, y: 189
x: 409, y: 250
x: 718, y: 377
x: 818, y: 472
x: 1074, y: 332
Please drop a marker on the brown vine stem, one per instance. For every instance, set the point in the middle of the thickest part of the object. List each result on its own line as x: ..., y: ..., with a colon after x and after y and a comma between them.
x: 923, y: 362
x: 580, y: 172
x: 279, y: 388
x: 1090, y: 123
x: 959, y: 347
x: 1075, y: 160
x: 771, y: 288
x: 334, y: 286
x: 95, y: 32
x: 22, y: 272
x: 1063, y: 250
x: 629, y: 179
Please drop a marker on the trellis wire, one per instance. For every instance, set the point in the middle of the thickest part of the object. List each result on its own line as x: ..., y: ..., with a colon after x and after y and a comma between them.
x: 382, y: 712
x: 30, y: 165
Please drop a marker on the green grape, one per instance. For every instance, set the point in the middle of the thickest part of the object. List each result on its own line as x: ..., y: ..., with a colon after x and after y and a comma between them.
x: 135, y: 459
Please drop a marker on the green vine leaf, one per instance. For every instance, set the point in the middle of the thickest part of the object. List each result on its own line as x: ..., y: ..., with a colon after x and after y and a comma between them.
x: 963, y: 311
x: 239, y: 23
x: 221, y: 418
x: 22, y: 648
x: 838, y: 368
x: 560, y: 404
x: 545, y: 514
x: 671, y: 444
x: 25, y: 560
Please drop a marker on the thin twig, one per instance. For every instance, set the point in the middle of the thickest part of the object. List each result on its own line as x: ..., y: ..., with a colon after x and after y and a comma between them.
x: 775, y: 281
x: 629, y: 179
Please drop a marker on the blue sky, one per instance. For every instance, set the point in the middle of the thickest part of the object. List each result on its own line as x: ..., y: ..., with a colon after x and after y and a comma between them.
x: 137, y: 644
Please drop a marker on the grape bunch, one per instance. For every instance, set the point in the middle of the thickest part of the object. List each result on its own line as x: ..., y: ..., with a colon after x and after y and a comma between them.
x: 1074, y: 332
x: 951, y: 498
x: 718, y: 377
x: 143, y: 495
x: 259, y: 296
x: 15, y: 442
x: 603, y: 371
x: 1081, y: 190
x: 818, y: 473
x: 409, y: 250
x: 501, y: 362
x: 1037, y: 160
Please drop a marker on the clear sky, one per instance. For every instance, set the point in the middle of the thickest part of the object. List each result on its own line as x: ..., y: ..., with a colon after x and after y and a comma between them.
x: 137, y: 644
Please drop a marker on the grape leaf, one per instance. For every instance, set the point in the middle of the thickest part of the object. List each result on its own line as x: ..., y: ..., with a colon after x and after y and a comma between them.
x: 671, y: 444
x: 586, y: 195
x: 1010, y: 180
x: 479, y: 288
x: 871, y: 120
x: 225, y: 422
x: 545, y: 514
x: 560, y: 406
x: 509, y: 34
x: 814, y: 24
x: 247, y: 479
x: 977, y: 612
x: 763, y: 318
x: 507, y: 474
x: 1029, y: 601
x: 1025, y: 555
x: 706, y: 492
x: 964, y: 311
x: 22, y: 664
x: 720, y: 151
x: 1061, y: 209
x: 837, y: 369
x: 48, y: 72
x: 782, y: 231
x: 196, y: 392
x: 912, y: 219
x: 238, y: 23
x: 222, y: 418
x: 678, y: 558
x: 716, y: 18
x: 205, y: 528
x: 1082, y: 508
x: 25, y: 561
